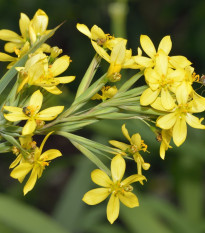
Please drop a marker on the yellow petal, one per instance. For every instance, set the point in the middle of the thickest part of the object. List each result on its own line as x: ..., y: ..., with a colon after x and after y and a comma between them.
x: 148, y: 96
x: 16, y: 161
x: 50, y: 154
x: 6, y: 57
x: 97, y: 33
x: 84, y: 29
x: 194, y: 122
x: 32, y: 34
x: 15, y: 116
x: 60, y: 65
x: 118, y: 53
x: 95, y: 196
x: 40, y: 22
x: 36, y: 100
x: 179, y: 62
x: 29, y: 127
x: 117, y: 168
x: 21, y: 170
x: 11, y: 46
x: 144, y: 61
x: 31, y: 182
x: 126, y: 133
x: 101, y: 178
x: 165, y: 44
x: 147, y: 46
x: 167, y: 121
x: 162, y: 63
x: 167, y: 100
x: 53, y: 90
x: 120, y: 145
x: 129, y: 199
x: 8, y: 35
x: 49, y: 113
x: 179, y: 131
x: 131, y: 179
x: 13, y: 109
x: 113, y: 208
x: 44, y: 141
x: 197, y: 104
x: 66, y: 79
x: 24, y: 25
x: 101, y: 51
x: 158, y: 104
x: 136, y: 140
x: 182, y: 93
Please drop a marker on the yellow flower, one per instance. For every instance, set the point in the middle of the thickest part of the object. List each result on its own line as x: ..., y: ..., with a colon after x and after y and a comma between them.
x: 39, y: 72
x: 136, y: 145
x: 165, y: 45
x: 162, y: 81
x: 180, y: 116
x: 119, y: 190
x: 31, y: 113
x: 120, y: 58
x: 107, y: 93
x: 36, y: 163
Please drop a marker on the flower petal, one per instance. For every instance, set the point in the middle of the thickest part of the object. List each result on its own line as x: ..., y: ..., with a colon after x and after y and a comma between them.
x: 194, y: 122
x: 149, y: 96
x: 165, y: 44
x: 179, y: 131
x: 9, y: 35
x: 6, y: 57
x: 53, y: 90
x: 15, y: 116
x: 36, y: 100
x: 179, y: 62
x: 60, y: 65
x: 122, y: 146
x: 133, y: 178
x: 49, y: 113
x: 21, y: 170
x: 101, y: 51
x: 95, y: 196
x: 147, y: 46
x: 129, y: 199
x: 31, y: 182
x: 125, y: 133
x: 29, y: 127
x: 66, y: 79
x: 24, y: 25
x: 167, y: 121
x: 117, y: 168
x: 101, y: 178
x: 144, y: 61
x: 167, y: 100
x: 113, y: 208
x: 50, y: 154
x: 97, y: 33
x: 83, y: 29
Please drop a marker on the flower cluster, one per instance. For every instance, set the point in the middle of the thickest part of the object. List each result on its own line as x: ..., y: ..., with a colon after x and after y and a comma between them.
x: 167, y: 103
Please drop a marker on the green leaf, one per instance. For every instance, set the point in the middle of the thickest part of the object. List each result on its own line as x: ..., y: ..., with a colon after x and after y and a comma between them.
x: 24, y: 218
x: 5, y: 80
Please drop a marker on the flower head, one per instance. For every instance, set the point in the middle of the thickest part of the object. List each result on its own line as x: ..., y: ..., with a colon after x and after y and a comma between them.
x: 120, y: 190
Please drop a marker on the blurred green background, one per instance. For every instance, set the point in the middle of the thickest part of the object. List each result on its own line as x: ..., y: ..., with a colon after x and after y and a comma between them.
x: 173, y: 198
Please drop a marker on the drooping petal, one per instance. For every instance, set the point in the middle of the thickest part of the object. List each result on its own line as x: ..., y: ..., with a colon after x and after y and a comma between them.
x: 126, y: 133
x: 16, y: 161
x: 167, y: 100
x: 60, y: 65
x: 31, y: 182
x: 147, y: 46
x: 53, y: 90
x: 113, y: 208
x: 148, y: 96
x: 83, y: 29
x: 50, y: 154
x: 165, y: 44
x: 179, y: 131
x: 49, y: 113
x: 167, y: 121
x: 95, y: 196
x: 36, y: 100
x: 101, y: 178
x: 44, y: 141
x: 122, y: 146
x: 21, y: 170
x: 6, y: 57
x: 194, y: 121
x: 29, y: 127
x: 101, y: 51
x: 117, y: 168
x: 129, y: 199
x: 131, y: 179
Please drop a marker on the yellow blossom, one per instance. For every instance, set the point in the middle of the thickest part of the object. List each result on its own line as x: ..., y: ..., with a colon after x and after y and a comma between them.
x: 31, y: 113
x: 118, y: 189
x: 133, y: 149
x: 180, y: 116
x: 165, y: 45
x: 107, y: 93
x: 35, y: 163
